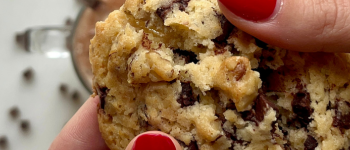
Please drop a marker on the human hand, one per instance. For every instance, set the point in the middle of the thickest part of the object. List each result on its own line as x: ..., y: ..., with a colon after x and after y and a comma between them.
x: 81, y: 133
x: 301, y: 25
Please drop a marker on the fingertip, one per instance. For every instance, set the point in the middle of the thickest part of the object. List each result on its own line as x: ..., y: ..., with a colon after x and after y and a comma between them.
x: 150, y: 138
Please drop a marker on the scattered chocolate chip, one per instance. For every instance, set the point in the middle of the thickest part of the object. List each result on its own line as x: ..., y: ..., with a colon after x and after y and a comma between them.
x: 301, y: 107
x: 76, y: 95
x: 269, y: 58
x: 346, y: 85
x: 310, y: 143
x: 257, y: 113
x: 341, y: 120
x: 63, y: 88
x: 28, y: 74
x: 102, y: 93
x: 192, y: 146
x: 231, y: 106
x: 186, y: 97
x: 260, y: 43
x: 187, y: 55
x: 220, y: 48
x: 226, y: 27
x: 3, y: 141
x: 25, y: 125
x: 14, y: 112
x: 164, y: 10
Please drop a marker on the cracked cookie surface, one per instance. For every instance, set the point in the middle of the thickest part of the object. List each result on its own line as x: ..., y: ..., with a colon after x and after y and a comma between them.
x: 180, y: 67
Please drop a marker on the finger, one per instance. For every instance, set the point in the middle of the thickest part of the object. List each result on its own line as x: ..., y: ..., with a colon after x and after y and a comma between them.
x: 81, y: 131
x: 301, y: 25
x: 154, y: 140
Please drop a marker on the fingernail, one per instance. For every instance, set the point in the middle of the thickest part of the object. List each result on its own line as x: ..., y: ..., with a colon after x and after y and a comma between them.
x: 153, y: 142
x: 253, y: 10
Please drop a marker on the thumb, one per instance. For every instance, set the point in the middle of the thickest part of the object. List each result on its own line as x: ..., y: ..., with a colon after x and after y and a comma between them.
x: 301, y: 25
x: 154, y: 140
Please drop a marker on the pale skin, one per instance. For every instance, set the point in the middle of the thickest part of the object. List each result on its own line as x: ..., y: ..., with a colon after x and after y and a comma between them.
x: 300, y: 25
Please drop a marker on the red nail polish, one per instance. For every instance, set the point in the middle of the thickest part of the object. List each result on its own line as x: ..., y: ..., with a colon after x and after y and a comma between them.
x: 251, y: 9
x: 153, y: 142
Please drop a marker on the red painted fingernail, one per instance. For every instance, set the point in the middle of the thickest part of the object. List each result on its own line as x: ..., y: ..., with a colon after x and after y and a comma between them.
x: 153, y: 142
x: 254, y: 10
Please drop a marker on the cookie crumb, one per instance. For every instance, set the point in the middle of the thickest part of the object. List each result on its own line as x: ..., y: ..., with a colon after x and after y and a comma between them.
x: 3, y: 141
x: 63, y: 88
x: 25, y: 125
x: 28, y: 74
x: 76, y: 95
x: 14, y: 112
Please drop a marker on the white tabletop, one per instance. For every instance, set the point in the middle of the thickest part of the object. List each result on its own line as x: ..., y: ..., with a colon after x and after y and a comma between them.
x: 40, y: 100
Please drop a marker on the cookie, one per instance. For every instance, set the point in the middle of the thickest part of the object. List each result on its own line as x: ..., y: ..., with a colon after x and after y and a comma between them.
x: 178, y: 66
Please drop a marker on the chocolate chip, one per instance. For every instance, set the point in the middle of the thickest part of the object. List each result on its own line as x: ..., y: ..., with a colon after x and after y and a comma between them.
x: 341, y: 120
x: 226, y: 27
x: 231, y: 106
x: 3, y: 141
x: 301, y: 107
x: 346, y: 85
x: 102, y: 93
x: 239, y: 71
x: 76, y: 95
x: 257, y: 113
x: 260, y: 43
x: 310, y: 143
x: 28, y: 74
x: 183, y: 4
x: 14, y: 112
x: 63, y: 88
x: 186, y: 97
x: 192, y: 146
x: 25, y: 125
x: 220, y: 48
x: 164, y: 10
x: 187, y: 55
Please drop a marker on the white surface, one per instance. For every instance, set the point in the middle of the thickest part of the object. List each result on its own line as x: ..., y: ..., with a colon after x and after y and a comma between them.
x: 40, y: 100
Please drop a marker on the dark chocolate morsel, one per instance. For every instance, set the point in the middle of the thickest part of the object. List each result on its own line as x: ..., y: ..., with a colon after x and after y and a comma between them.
x: 226, y: 27
x: 192, y: 146
x: 183, y: 4
x: 341, y: 120
x: 102, y: 93
x: 164, y: 10
x: 301, y: 107
x: 186, y: 97
x: 261, y: 105
x: 260, y: 43
x: 310, y: 143
x: 187, y: 55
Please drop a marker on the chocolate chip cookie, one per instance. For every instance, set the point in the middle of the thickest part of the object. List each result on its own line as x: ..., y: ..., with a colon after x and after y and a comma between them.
x: 180, y: 67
